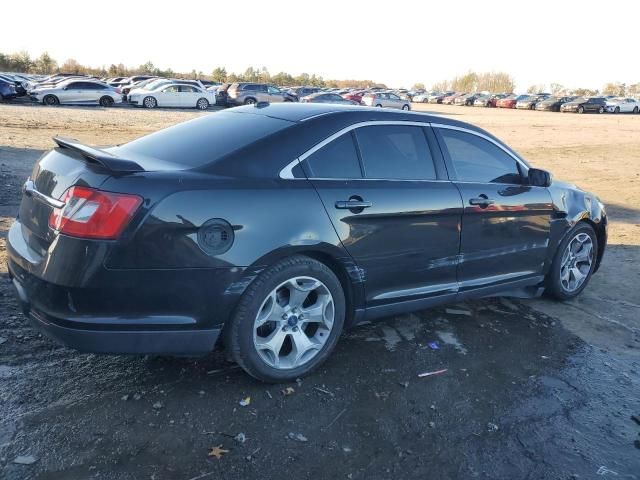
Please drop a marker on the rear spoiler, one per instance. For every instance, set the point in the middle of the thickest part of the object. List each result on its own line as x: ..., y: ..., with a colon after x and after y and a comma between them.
x: 106, y: 159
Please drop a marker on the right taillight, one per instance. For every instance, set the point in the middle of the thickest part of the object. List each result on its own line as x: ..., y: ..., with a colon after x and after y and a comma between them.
x: 90, y: 213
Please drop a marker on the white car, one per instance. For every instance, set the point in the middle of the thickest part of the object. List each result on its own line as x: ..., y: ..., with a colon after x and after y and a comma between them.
x: 623, y: 105
x: 173, y: 95
x: 77, y: 91
x: 422, y: 98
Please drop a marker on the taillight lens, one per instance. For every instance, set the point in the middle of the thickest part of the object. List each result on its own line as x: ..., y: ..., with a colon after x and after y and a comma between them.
x: 90, y: 213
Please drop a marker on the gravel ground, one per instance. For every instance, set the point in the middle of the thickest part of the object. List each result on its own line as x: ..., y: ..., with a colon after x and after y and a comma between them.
x: 532, y: 389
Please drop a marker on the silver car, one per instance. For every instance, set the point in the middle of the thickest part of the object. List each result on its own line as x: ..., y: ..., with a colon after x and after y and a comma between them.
x: 250, y: 93
x: 385, y: 99
x: 77, y: 92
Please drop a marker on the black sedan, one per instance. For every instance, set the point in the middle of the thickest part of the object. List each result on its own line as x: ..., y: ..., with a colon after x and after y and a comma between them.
x: 553, y: 104
x: 276, y: 226
x: 583, y: 105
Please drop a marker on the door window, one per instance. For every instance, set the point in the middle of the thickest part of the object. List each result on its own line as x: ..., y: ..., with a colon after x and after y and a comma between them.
x: 172, y: 89
x: 478, y: 160
x: 397, y: 152
x: 337, y: 159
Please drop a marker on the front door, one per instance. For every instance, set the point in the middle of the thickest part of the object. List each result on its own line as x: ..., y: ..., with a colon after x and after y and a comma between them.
x: 393, y: 210
x: 506, y: 222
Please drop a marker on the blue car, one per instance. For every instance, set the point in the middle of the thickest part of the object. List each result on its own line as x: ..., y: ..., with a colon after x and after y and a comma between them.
x: 7, y: 90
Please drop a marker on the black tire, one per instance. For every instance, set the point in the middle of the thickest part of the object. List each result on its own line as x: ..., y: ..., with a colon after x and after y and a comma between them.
x: 51, y: 100
x: 379, y: 106
x: 149, y: 102
x: 406, y: 107
x: 202, y: 104
x: 580, y: 109
x: 635, y: 109
x: 250, y: 101
x: 238, y: 335
x: 616, y: 110
x: 601, y: 110
x: 553, y: 285
x: 106, y: 101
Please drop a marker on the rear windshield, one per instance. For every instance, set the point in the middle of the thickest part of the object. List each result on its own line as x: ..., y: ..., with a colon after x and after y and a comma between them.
x: 200, y: 141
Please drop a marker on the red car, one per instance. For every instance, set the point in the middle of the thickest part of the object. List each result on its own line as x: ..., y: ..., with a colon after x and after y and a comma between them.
x: 510, y: 101
x: 450, y: 99
x: 354, y: 96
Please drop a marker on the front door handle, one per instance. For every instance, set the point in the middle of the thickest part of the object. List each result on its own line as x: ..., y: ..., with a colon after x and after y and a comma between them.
x: 482, y: 201
x: 352, y: 204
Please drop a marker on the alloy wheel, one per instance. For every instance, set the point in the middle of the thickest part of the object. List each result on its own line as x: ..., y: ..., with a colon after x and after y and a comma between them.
x: 150, y: 102
x: 294, y: 323
x: 202, y: 104
x: 576, y: 262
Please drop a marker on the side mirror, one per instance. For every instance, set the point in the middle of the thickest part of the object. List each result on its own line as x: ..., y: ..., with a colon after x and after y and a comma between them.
x: 539, y: 178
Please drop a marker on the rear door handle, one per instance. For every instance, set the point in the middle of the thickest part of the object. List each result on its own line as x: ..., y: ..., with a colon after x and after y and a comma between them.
x: 352, y: 204
x: 481, y: 201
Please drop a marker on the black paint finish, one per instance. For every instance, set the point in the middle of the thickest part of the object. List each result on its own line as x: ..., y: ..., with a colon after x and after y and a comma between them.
x: 418, y: 243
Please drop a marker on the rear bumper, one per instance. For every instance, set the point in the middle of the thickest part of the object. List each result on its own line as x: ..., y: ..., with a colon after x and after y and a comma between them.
x: 150, y: 335
x: 91, y: 308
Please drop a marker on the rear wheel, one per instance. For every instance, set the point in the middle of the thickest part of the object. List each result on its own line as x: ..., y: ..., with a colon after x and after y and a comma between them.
x: 288, y: 320
x: 601, y: 110
x: 379, y: 106
x: 580, y: 109
x: 635, y: 109
x: 405, y: 107
x: 202, y: 104
x: 106, y: 101
x: 250, y: 101
x: 150, y: 102
x: 50, y: 100
x: 573, y: 263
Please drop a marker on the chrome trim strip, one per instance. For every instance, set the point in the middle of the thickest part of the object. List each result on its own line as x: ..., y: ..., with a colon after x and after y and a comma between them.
x: 287, y: 174
x: 29, y: 189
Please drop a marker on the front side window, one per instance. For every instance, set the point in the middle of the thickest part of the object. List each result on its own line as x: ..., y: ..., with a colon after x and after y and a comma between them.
x: 337, y: 159
x: 172, y: 89
x: 273, y: 90
x: 398, y: 152
x: 478, y: 160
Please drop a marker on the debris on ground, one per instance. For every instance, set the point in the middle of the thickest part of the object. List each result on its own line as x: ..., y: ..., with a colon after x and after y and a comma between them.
x: 457, y: 311
x: 217, y: 452
x: 240, y: 438
x: 432, y: 424
x: 288, y: 391
x: 429, y: 374
x: 434, y: 346
x: 269, y: 394
x: 326, y: 392
x: 124, y: 398
x: 636, y: 418
x: 245, y: 402
x: 157, y: 405
x: 137, y: 396
x: 404, y: 384
x: 25, y: 460
x: 2, y: 340
x: 346, y: 449
x: 492, y: 427
x: 605, y: 471
x: 298, y: 437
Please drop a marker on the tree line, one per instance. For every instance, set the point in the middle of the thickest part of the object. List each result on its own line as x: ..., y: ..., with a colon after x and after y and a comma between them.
x: 470, y: 82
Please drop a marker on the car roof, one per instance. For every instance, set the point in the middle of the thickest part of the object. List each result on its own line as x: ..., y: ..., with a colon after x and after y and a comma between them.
x: 301, y: 112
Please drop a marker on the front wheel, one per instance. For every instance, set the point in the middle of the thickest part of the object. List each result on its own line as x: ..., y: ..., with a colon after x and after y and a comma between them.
x: 250, y: 101
x: 405, y: 107
x: 635, y: 109
x: 150, y: 102
x: 601, y: 110
x: 580, y: 109
x: 288, y: 321
x: 202, y: 104
x: 573, y: 263
x: 51, y: 100
x: 379, y: 106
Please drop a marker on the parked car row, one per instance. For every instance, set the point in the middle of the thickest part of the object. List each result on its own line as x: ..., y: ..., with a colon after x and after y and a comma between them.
x: 539, y: 101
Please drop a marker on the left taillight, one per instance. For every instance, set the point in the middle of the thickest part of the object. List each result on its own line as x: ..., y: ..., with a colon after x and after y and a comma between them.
x: 90, y: 213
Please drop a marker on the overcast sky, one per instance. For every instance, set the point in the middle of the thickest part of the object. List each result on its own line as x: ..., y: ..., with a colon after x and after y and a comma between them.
x: 575, y: 43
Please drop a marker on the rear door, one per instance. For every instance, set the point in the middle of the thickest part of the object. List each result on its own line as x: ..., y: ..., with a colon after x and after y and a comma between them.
x: 395, y: 212
x: 188, y: 96
x: 506, y: 222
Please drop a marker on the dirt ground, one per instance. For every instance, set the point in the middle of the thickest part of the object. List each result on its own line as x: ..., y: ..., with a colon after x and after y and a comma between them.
x: 533, y: 389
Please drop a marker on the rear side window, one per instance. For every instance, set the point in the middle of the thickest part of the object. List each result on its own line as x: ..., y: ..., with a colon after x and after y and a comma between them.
x: 337, y: 159
x: 200, y: 141
x: 478, y: 160
x: 397, y: 152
